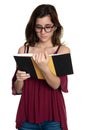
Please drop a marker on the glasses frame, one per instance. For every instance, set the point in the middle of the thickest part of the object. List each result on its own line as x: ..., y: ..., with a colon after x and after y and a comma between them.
x: 40, y: 28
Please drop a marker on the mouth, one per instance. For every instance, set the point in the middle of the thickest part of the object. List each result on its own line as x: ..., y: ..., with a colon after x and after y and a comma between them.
x: 42, y: 36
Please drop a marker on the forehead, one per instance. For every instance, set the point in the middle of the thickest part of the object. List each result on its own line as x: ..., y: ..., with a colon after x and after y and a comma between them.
x: 44, y: 20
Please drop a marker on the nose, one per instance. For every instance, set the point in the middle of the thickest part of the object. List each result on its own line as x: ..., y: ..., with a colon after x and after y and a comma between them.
x: 43, y: 31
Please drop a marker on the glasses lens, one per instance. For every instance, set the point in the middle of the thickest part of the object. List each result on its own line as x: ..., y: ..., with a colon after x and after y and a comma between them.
x: 38, y: 28
x: 48, y: 28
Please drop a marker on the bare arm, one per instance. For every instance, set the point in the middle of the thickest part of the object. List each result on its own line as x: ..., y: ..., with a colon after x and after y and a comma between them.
x: 42, y: 61
x: 20, y: 76
x: 51, y: 79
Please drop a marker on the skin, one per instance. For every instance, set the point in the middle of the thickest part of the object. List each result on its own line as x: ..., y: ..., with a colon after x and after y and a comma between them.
x: 41, y: 51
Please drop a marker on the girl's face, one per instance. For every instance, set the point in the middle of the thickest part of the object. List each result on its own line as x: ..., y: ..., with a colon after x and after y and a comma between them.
x: 44, y: 28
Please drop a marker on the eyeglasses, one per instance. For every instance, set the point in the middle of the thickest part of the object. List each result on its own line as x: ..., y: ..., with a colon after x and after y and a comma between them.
x: 48, y: 28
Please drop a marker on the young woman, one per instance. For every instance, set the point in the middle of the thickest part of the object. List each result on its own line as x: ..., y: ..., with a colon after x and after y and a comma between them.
x: 41, y: 104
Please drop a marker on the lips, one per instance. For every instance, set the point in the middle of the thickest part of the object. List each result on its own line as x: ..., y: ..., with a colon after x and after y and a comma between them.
x: 44, y: 37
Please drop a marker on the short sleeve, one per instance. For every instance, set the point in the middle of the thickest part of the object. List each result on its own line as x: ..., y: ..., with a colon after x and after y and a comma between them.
x: 64, y: 83
x: 13, y: 80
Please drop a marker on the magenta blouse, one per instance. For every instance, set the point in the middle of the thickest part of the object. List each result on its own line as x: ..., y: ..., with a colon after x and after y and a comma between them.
x: 39, y: 102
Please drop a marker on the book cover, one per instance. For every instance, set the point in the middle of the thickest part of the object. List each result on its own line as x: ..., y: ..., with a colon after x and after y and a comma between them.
x: 59, y: 64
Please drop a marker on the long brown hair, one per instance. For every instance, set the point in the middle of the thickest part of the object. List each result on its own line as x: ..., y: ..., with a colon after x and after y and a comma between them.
x: 41, y: 11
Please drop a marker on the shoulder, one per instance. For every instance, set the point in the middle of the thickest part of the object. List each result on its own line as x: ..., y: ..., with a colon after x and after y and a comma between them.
x: 21, y: 49
x: 64, y: 49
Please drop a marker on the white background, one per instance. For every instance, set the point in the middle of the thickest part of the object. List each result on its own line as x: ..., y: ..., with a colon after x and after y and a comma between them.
x: 14, y: 15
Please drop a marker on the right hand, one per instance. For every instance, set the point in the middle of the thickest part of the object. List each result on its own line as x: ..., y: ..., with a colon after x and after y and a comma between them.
x: 22, y: 75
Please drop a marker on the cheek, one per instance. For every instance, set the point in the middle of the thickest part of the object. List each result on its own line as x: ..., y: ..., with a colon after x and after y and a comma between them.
x: 38, y: 34
x: 51, y: 34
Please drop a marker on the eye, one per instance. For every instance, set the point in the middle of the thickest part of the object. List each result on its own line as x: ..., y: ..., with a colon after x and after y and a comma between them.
x: 49, y: 26
x: 38, y: 27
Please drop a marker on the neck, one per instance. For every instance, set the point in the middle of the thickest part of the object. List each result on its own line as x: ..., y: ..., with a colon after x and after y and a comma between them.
x: 44, y: 45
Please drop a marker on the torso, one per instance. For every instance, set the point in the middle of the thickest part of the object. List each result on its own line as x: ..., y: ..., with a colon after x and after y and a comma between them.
x: 50, y: 50
x: 40, y: 102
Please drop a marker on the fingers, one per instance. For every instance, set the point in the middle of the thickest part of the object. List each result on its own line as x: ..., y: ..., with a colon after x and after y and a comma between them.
x: 46, y: 55
x: 22, y: 75
x: 40, y: 57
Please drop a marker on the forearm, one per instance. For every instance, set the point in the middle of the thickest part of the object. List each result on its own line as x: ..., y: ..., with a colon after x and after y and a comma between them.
x: 19, y: 82
x: 51, y: 79
x: 18, y: 86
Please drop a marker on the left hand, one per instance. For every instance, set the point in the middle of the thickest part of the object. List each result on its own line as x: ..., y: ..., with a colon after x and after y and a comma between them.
x: 41, y: 59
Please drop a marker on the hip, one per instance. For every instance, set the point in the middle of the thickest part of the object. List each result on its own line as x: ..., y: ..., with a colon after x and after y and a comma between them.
x: 47, y: 125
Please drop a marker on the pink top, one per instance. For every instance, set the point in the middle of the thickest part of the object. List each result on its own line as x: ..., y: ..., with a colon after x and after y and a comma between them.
x: 39, y: 102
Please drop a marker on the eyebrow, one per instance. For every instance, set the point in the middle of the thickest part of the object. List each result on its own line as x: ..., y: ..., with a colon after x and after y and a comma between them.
x: 45, y: 24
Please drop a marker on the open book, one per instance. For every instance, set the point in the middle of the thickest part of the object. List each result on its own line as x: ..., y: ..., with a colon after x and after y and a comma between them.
x: 59, y: 64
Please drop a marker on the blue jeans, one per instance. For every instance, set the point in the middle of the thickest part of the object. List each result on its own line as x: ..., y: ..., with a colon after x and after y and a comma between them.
x: 47, y: 125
